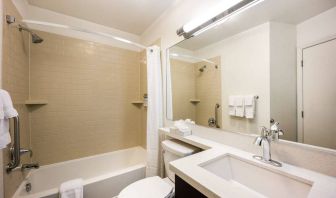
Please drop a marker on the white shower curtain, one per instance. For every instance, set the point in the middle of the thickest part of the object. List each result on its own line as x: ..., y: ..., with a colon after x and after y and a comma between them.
x: 154, y: 109
x: 169, y: 89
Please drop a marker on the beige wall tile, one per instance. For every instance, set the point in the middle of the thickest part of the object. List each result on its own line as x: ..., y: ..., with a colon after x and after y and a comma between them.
x: 15, y: 79
x: 89, y: 88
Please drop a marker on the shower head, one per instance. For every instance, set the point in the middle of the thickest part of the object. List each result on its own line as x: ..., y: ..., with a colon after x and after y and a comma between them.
x: 202, y: 68
x: 36, y: 38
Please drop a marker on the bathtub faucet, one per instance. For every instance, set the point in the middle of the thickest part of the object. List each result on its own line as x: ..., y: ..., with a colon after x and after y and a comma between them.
x: 29, y: 166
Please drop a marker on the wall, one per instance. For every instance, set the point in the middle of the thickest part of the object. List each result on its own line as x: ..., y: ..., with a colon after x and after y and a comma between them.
x: 283, y: 78
x: 183, y: 89
x: 89, y: 88
x: 15, y: 80
x: 316, y: 29
x: 312, y: 31
x: 208, y: 91
x: 241, y: 56
x: 40, y: 14
x: 189, y: 83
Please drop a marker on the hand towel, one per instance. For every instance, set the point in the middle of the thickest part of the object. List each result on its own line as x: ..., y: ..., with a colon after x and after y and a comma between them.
x: 71, y: 189
x: 239, y: 105
x: 182, y: 126
x: 232, y: 108
x: 6, y: 111
x: 249, y: 106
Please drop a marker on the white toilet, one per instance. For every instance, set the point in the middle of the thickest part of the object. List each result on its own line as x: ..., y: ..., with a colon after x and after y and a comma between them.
x: 155, y: 187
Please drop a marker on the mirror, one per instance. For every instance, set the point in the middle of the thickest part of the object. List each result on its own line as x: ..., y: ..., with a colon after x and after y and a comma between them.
x: 273, y: 61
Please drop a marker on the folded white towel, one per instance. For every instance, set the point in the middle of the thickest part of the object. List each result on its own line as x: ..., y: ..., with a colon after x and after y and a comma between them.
x: 249, y: 106
x: 8, y: 109
x: 182, y: 126
x: 189, y: 121
x: 239, y: 105
x: 232, y: 108
x: 71, y: 189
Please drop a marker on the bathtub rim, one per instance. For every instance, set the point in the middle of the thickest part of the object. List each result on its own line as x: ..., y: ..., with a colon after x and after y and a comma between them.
x: 86, y: 181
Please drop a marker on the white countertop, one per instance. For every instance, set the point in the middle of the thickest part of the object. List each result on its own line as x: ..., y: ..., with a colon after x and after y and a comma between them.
x: 211, y: 185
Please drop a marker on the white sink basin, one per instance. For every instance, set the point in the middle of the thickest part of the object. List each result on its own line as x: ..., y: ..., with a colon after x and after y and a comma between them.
x: 250, y: 175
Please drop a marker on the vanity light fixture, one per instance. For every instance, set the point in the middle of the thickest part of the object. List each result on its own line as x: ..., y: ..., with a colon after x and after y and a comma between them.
x: 220, y: 15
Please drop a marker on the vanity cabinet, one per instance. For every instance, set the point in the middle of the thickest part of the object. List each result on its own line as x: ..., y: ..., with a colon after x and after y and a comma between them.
x: 185, y: 190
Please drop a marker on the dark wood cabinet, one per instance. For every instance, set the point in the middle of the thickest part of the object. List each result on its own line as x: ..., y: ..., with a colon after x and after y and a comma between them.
x: 185, y: 190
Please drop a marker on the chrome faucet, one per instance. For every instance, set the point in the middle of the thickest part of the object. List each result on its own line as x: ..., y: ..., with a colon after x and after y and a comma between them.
x: 29, y: 166
x: 265, y: 139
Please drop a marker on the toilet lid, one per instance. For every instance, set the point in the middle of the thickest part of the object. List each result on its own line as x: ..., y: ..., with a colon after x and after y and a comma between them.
x: 151, y: 187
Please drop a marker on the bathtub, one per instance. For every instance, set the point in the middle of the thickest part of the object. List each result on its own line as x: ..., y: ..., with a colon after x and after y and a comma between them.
x: 104, y: 175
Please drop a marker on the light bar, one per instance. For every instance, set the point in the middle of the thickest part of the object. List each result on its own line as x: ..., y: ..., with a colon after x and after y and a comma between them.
x: 231, y: 8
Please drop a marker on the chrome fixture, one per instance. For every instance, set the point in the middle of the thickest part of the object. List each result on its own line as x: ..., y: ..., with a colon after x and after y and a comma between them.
x: 29, y: 166
x: 201, y: 25
x: 35, y: 38
x: 202, y: 68
x: 16, y: 151
x: 213, y: 122
x: 28, y: 187
x: 264, y: 140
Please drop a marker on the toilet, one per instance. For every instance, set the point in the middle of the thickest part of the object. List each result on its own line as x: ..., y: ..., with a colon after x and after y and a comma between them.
x: 156, y: 187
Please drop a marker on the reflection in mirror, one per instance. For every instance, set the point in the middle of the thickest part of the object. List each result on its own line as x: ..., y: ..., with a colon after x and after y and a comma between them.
x: 269, y: 62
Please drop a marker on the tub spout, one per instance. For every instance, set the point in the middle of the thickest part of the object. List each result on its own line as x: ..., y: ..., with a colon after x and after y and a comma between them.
x: 29, y: 166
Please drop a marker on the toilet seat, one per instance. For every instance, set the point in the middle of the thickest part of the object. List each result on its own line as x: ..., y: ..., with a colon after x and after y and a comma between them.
x: 151, y: 187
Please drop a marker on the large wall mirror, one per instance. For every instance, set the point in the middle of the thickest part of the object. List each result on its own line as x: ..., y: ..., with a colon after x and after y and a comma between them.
x: 273, y: 61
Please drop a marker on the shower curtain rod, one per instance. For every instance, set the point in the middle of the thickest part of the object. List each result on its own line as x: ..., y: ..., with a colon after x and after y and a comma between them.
x: 83, y: 30
x: 192, y: 57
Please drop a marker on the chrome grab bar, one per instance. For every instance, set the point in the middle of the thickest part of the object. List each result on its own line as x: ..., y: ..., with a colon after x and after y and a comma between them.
x: 15, y: 149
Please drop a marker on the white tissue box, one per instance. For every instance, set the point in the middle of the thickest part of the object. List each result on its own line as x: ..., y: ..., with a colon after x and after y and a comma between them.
x: 176, y: 131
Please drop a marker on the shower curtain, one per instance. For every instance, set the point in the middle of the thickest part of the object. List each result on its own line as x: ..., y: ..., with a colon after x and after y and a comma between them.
x: 154, y: 110
x: 169, y: 89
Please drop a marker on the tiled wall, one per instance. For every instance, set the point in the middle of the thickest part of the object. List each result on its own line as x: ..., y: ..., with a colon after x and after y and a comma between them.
x: 208, y: 91
x: 183, y: 89
x: 189, y: 83
x: 89, y: 88
x: 15, y: 79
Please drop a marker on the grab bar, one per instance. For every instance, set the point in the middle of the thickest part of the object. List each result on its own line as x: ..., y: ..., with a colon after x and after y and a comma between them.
x: 216, y: 115
x: 15, y: 149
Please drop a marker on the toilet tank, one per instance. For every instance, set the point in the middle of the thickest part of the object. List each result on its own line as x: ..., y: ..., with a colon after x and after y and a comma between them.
x: 173, y: 150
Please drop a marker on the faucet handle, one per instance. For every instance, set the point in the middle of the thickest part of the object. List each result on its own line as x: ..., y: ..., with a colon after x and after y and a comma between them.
x: 24, y: 151
x: 281, y: 132
x: 264, y: 131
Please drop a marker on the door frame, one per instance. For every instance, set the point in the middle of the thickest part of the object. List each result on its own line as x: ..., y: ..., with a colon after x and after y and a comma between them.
x: 300, y: 65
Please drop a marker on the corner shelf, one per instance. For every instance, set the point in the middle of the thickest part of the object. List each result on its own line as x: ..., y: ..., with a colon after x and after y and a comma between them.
x: 137, y: 102
x: 36, y: 102
x: 195, y: 101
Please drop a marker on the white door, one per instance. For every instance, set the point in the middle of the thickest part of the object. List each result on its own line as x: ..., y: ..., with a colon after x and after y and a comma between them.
x: 319, y: 94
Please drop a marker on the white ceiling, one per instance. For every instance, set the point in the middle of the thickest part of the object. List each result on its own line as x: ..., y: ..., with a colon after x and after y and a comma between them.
x: 133, y: 16
x: 286, y: 11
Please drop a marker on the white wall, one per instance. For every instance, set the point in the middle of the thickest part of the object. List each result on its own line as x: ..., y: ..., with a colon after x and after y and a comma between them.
x: 316, y: 29
x: 312, y: 31
x: 245, y: 63
x: 283, y: 78
x: 35, y: 13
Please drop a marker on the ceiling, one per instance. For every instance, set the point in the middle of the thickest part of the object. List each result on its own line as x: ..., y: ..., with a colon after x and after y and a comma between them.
x: 286, y: 11
x: 133, y: 16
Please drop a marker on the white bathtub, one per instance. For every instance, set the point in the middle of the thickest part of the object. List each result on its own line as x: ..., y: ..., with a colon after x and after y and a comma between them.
x: 104, y: 175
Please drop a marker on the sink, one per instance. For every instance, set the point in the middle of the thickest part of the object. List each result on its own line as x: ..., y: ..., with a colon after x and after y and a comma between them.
x: 259, y: 179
